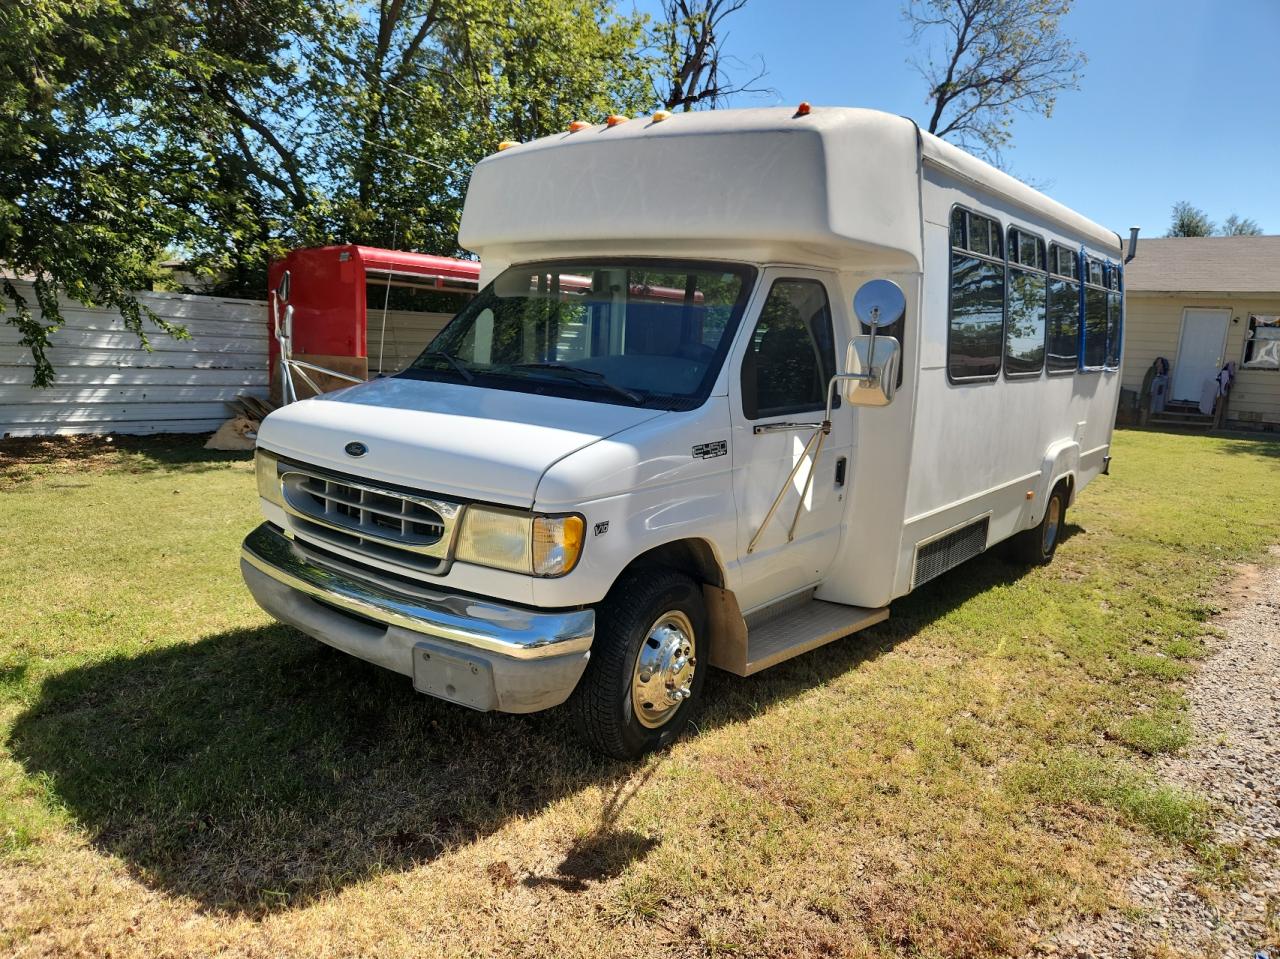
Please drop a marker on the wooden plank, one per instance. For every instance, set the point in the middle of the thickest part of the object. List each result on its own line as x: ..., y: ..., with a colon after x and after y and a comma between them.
x: 82, y: 320
x: 130, y: 428
x: 122, y: 340
x: 32, y: 414
x: 141, y: 393
x: 20, y: 377
x: 20, y: 358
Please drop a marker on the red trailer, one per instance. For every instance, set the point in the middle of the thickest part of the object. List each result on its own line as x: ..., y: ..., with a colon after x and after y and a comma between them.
x: 361, y: 311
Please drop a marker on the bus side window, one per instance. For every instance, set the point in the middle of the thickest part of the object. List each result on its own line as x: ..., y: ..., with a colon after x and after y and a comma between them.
x: 1024, y: 326
x: 975, y: 333
x: 1063, y: 341
x: 1094, y: 353
x: 1115, y: 320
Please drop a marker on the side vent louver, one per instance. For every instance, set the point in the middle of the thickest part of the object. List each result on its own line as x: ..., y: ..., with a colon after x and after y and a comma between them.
x: 936, y: 557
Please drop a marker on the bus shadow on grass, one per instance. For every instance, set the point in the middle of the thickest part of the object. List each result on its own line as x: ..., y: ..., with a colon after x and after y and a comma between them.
x: 256, y: 770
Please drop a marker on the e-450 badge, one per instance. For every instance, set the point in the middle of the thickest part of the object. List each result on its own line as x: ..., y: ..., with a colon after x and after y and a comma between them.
x: 706, y: 451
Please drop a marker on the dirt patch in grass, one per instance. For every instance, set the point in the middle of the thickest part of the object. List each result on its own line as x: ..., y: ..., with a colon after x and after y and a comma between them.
x: 25, y: 458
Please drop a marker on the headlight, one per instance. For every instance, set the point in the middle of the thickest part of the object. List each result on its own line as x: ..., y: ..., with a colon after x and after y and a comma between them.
x: 266, y: 465
x: 520, y: 542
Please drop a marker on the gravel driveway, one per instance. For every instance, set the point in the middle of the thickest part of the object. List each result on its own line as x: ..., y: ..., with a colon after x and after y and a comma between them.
x: 1234, y: 759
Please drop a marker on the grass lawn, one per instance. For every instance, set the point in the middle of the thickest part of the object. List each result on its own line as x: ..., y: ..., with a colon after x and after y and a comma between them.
x: 179, y: 776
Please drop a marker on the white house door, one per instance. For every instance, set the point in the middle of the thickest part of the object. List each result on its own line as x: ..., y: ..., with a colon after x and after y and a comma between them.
x: 1200, y: 352
x: 781, y: 369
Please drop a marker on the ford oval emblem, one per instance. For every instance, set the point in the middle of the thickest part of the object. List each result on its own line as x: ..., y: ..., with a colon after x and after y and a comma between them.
x: 356, y: 449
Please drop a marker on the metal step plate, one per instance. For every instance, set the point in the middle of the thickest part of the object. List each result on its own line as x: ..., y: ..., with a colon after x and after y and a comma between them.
x: 804, y: 627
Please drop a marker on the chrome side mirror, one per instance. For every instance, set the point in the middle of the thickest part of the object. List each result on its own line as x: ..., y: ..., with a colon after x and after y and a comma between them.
x: 282, y: 289
x: 879, y: 303
x: 873, y: 361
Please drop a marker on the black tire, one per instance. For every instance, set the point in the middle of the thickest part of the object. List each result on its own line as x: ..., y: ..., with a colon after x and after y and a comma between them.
x: 602, y: 704
x: 1036, y: 546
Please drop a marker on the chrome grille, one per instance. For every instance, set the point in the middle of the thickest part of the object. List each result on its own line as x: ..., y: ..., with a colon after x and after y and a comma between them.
x: 368, y: 519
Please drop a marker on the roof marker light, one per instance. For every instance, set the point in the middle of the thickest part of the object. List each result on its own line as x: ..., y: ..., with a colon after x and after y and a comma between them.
x: 661, y: 115
x: 613, y: 119
x: 507, y: 145
x: 577, y: 125
x: 803, y: 109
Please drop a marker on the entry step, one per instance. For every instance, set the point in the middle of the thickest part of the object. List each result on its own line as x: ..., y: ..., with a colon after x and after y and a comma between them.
x: 797, y: 628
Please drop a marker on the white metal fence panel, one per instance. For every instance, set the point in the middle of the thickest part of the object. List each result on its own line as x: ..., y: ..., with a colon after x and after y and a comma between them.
x: 106, y: 382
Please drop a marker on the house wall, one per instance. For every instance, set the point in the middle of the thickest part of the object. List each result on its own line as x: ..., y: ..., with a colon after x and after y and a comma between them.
x: 107, y: 383
x: 1153, y: 325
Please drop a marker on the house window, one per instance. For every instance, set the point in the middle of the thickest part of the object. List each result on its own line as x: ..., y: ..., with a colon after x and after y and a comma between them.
x: 1093, y: 355
x: 1063, y: 341
x: 975, y: 338
x: 1025, y: 320
x: 791, y: 356
x: 1262, y: 343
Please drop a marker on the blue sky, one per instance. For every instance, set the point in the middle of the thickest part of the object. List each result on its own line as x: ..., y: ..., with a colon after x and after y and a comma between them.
x: 1180, y: 99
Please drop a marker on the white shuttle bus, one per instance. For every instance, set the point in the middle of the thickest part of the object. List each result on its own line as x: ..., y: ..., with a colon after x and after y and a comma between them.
x: 734, y: 381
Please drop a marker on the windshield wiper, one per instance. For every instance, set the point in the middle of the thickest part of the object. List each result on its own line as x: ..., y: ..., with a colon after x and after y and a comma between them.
x: 581, y: 375
x: 453, y: 361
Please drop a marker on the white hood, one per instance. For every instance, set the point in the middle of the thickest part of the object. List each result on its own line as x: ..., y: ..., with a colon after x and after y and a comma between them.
x: 445, y: 438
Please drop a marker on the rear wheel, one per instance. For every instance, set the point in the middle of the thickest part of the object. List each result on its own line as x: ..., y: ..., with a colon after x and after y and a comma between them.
x: 647, y: 666
x: 1037, y: 545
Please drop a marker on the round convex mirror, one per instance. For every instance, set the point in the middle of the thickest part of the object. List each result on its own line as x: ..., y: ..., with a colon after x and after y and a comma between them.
x: 879, y: 303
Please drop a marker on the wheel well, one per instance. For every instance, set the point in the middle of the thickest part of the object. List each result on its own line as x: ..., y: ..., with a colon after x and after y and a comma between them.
x: 693, y: 557
x: 1069, y: 481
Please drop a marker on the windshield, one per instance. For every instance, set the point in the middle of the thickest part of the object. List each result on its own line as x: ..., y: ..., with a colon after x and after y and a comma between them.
x: 649, y: 333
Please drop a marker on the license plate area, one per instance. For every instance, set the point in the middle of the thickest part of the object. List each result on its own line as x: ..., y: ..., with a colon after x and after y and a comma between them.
x: 447, y: 674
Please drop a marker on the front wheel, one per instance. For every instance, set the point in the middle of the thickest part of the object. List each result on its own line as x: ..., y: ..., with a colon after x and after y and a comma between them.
x: 1037, y: 545
x: 647, y: 665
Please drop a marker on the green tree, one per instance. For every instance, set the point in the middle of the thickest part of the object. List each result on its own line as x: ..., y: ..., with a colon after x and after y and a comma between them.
x: 129, y: 126
x: 984, y: 60
x: 428, y: 88
x: 1188, y: 220
x: 1240, y: 226
x: 234, y: 129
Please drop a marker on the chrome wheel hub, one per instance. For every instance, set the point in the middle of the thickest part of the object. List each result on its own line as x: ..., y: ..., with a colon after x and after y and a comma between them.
x: 663, y: 677
x: 1051, y: 520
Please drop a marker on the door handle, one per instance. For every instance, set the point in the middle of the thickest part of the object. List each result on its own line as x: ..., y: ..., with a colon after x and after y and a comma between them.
x: 841, y: 466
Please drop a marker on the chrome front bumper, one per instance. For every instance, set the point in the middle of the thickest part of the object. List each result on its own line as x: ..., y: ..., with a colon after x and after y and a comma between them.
x: 473, y: 651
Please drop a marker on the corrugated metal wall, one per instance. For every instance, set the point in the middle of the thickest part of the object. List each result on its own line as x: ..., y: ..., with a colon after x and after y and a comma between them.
x: 407, y: 335
x: 106, y: 383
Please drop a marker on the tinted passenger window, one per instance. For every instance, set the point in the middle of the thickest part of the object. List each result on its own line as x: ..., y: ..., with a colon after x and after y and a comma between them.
x: 791, y: 356
x: 1115, y: 306
x: 1024, y: 328
x: 1094, y: 354
x: 1063, y: 341
x: 976, y: 334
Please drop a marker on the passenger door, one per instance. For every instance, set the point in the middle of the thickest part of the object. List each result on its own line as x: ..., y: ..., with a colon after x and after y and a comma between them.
x: 780, y: 375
